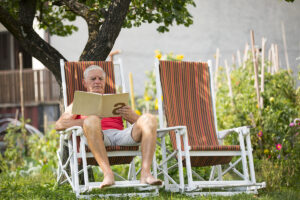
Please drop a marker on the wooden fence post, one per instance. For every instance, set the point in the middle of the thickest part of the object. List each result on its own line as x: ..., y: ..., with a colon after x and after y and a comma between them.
x: 229, y: 81
x: 276, y: 58
x: 131, y: 91
x: 245, y: 55
x: 21, y: 84
x: 285, y: 48
x: 273, y: 59
x: 262, y: 77
x: 238, y: 54
x: 233, y: 61
x: 255, y: 68
x: 269, y: 60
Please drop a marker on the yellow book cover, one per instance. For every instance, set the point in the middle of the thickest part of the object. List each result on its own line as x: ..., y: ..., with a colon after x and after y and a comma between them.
x: 103, y: 105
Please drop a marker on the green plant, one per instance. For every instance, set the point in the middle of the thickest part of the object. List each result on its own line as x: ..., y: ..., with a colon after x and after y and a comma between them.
x: 27, y: 153
x: 273, y: 135
x: 16, y: 147
x: 278, y: 174
x: 43, y: 150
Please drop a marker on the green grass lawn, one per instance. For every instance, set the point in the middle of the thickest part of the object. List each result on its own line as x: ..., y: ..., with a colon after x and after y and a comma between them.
x: 43, y: 186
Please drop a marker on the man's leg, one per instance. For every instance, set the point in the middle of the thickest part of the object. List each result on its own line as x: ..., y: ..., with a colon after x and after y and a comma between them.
x: 144, y: 131
x: 92, y: 131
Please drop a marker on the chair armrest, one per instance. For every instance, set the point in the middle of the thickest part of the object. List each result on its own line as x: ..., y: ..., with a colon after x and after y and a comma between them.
x: 163, y: 131
x: 67, y: 132
x: 243, y: 129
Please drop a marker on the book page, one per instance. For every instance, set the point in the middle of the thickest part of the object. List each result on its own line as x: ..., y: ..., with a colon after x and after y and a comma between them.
x: 103, y: 105
x: 112, y: 102
x: 86, y: 103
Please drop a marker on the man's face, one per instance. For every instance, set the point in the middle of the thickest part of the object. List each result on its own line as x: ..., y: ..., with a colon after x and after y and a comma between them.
x: 95, y: 81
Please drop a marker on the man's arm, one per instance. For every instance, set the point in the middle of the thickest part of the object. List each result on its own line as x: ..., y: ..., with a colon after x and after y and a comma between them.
x: 67, y: 120
x: 128, y: 114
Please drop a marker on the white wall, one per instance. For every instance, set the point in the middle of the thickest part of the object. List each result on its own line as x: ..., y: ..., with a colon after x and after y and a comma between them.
x: 36, y: 64
x: 72, y: 46
x: 224, y: 24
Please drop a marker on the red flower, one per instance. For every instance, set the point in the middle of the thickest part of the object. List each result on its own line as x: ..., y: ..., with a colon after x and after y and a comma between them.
x: 260, y: 134
x: 292, y: 124
x: 278, y: 146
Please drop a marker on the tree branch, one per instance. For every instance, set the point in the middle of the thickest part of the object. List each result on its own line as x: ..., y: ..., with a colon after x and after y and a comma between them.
x: 27, y: 12
x: 91, y: 17
x: 31, y: 41
x: 99, y: 47
x: 78, y: 8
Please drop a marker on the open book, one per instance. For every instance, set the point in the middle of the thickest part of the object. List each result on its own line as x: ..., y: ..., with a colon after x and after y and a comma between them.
x: 103, y: 105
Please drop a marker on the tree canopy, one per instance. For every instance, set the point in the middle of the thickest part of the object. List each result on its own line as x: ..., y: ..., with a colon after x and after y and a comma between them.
x: 105, y: 19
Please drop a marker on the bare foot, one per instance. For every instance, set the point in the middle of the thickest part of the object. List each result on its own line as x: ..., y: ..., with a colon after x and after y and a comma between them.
x: 151, y: 180
x: 108, y: 180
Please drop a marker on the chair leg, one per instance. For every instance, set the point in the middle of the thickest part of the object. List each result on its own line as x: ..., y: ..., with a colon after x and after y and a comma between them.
x: 154, y: 166
x: 250, y: 158
x: 90, y: 175
x: 212, y: 173
x: 219, y: 172
x: 63, y: 154
x: 180, y: 166
x: 84, y: 162
x: 70, y: 150
x: 244, y: 158
x: 132, y: 172
x: 75, y: 165
x: 165, y: 165
x: 188, y: 160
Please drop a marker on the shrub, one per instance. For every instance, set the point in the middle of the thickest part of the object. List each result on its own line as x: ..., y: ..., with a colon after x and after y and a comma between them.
x: 274, y: 137
x: 27, y: 153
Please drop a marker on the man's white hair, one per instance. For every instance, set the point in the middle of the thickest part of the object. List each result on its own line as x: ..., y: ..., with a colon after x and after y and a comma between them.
x: 90, y: 68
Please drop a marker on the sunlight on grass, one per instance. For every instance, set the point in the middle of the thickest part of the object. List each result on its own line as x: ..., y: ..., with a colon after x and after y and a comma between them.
x: 43, y: 186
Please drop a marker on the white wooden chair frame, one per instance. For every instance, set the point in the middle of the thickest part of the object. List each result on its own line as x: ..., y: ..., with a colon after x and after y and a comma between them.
x: 68, y: 139
x: 246, y: 185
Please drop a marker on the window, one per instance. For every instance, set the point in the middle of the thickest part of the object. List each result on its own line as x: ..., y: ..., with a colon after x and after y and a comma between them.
x: 5, y: 60
x: 9, y: 53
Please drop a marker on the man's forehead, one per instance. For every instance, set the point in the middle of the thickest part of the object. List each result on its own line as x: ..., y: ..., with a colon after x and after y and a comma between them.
x: 96, y: 72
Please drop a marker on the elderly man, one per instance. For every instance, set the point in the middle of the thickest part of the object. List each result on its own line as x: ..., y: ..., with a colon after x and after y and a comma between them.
x: 109, y: 131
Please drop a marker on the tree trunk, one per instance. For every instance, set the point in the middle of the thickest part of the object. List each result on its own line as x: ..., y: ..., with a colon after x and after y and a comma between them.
x: 100, y: 47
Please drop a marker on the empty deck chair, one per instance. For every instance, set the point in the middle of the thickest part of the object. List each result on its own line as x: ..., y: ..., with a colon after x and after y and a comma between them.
x: 75, y: 143
x: 189, y: 110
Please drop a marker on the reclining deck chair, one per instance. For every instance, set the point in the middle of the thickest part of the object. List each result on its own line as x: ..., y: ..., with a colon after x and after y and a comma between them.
x: 191, y: 121
x: 78, y: 153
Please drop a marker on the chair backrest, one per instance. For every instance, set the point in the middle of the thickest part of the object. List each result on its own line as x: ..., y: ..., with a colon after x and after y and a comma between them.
x: 187, y: 100
x: 74, y: 76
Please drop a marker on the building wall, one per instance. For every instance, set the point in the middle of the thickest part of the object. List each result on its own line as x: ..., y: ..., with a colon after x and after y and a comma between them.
x: 12, y: 51
x: 217, y: 24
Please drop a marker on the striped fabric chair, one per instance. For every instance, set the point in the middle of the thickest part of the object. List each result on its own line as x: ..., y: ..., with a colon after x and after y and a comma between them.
x: 72, y: 76
x: 189, y: 111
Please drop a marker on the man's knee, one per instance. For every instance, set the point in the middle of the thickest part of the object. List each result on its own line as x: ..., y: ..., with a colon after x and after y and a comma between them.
x: 92, y: 123
x: 147, y: 120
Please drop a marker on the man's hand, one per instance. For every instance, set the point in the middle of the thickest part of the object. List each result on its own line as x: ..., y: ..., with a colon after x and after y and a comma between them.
x: 128, y: 114
x: 67, y: 120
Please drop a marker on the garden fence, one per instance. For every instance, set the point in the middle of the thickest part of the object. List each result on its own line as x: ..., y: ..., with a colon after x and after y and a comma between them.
x: 39, y: 86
